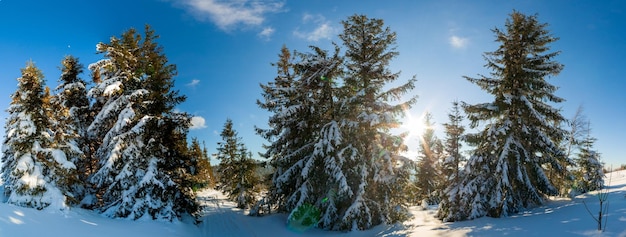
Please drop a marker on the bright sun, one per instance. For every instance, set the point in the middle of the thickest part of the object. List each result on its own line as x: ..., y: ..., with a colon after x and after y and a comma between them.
x: 413, y: 126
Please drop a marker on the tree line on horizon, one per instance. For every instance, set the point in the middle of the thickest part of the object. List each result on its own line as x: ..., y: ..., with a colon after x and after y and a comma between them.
x: 119, y: 147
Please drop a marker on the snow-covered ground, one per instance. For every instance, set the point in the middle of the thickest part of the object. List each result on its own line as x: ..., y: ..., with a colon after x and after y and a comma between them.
x: 563, y: 217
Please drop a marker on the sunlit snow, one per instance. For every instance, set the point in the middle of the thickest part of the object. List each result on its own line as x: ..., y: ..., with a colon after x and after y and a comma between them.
x: 559, y: 217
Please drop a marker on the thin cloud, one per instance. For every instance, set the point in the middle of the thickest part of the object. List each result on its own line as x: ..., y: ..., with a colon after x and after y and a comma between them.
x: 197, y: 122
x: 458, y: 42
x: 228, y: 15
x: 322, y: 28
x: 266, y: 33
x: 193, y: 83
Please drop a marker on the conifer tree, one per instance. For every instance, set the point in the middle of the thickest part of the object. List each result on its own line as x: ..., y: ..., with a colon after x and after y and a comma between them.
x: 303, y: 129
x: 204, y: 176
x: 70, y: 109
x: 237, y: 168
x: 589, y: 175
x: 367, y: 116
x: 209, y: 168
x: 454, y: 131
x: 166, y: 131
x: 506, y: 171
x: 36, y: 173
x: 93, y: 139
x: 280, y: 98
x: 142, y: 152
x: 329, y: 132
x: 318, y: 173
x: 428, y: 180
x: 451, y: 170
x: 72, y: 95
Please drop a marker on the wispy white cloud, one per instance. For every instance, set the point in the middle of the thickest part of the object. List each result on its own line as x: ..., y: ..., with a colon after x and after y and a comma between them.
x: 193, y: 83
x: 197, y: 122
x: 266, y: 33
x: 228, y: 15
x: 458, y: 42
x: 322, y: 29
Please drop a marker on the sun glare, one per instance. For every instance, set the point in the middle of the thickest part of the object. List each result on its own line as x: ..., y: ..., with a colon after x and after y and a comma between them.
x: 413, y: 126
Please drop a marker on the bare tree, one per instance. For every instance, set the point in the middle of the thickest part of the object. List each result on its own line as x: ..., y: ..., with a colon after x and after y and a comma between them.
x: 603, y: 199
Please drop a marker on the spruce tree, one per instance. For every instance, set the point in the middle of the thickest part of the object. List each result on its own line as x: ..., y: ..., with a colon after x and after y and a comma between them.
x: 166, y: 131
x: 370, y: 151
x: 72, y: 96
x: 237, y: 168
x: 204, y: 176
x: 451, y: 170
x: 281, y: 98
x: 454, y: 131
x: 589, y: 175
x: 428, y: 178
x: 318, y: 172
x: 329, y: 132
x: 303, y: 131
x: 70, y: 110
x: 36, y: 170
x: 505, y: 173
x: 209, y: 168
x: 143, y: 166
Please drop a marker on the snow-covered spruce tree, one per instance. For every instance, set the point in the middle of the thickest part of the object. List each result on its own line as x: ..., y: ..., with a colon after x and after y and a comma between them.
x: 301, y: 98
x: 35, y: 172
x: 113, y: 127
x: 337, y: 134
x: 428, y: 176
x: 506, y: 170
x: 71, y: 108
x: 279, y: 98
x: 166, y: 135
x: 318, y: 170
x: 369, y: 150
x: 454, y: 131
x: 143, y: 168
x: 237, y: 168
x: 451, y: 167
x: 63, y: 140
x: 589, y: 175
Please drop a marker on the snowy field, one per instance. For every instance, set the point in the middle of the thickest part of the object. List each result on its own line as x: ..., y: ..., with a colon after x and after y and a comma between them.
x: 557, y: 218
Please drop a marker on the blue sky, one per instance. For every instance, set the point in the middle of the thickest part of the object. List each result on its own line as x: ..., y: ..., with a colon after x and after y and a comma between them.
x: 223, y: 50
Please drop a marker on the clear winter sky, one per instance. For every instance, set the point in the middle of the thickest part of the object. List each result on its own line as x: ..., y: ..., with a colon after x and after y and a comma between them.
x: 223, y: 50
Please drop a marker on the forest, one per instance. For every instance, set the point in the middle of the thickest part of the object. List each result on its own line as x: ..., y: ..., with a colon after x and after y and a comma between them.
x: 331, y: 161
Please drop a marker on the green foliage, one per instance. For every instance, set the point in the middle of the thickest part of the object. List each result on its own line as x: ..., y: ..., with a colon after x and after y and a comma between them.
x: 306, y: 215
